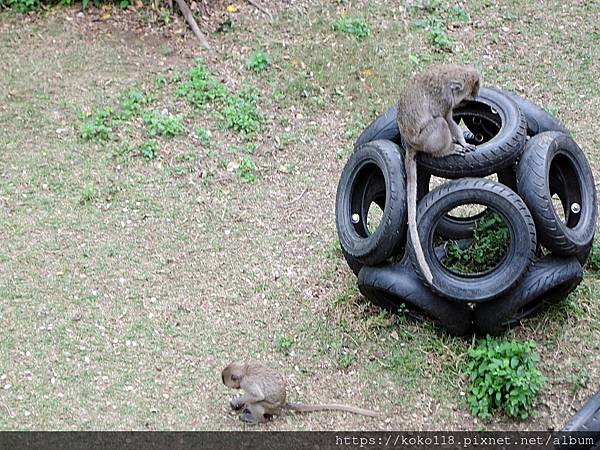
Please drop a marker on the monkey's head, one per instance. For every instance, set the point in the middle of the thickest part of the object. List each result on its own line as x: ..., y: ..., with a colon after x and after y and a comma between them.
x: 232, y: 375
x: 466, y: 85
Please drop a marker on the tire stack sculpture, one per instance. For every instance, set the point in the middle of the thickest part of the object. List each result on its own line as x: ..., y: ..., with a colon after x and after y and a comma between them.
x: 544, y: 195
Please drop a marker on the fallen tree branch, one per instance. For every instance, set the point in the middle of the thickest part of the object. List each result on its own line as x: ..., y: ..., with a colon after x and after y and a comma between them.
x: 261, y: 8
x: 187, y: 13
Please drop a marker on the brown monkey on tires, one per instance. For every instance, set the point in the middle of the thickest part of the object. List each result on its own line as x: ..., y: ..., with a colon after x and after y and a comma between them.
x: 426, y: 125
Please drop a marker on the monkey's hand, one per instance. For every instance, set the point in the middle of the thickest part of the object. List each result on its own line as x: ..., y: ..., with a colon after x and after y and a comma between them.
x: 236, y: 402
x: 458, y: 150
x: 469, y: 147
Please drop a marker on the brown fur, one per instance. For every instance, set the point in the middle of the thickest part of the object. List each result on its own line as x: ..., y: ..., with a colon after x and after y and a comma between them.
x: 426, y: 125
x: 265, y: 393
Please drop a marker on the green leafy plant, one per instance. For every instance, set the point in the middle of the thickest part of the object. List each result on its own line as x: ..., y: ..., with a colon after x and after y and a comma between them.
x: 201, y: 86
x: 457, y: 13
x: 503, y: 377
x: 488, y: 246
x: 436, y: 32
x: 356, y: 27
x: 241, y: 112
x: 163, y: 125
x: 203, y: 135
x: 132, y: 103
x: 99, y: 126
x: 245, y: 171
x: 23, y: 6
x: 258, y: 61
x: 149, y: 150
x: 284, y: 344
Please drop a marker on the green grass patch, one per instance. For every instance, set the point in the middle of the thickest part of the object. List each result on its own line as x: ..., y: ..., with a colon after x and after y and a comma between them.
x: 356, y: 27
x: 593, y: 261
x: 258, y: 61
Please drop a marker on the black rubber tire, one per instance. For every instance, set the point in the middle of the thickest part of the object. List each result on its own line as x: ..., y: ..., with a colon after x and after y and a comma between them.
x: 462, y: 227
x: 548, y: 281
x: 393, y: 284
x: 521, y: 249
x: 538, y: 120
x: 492, y: 156
x: 585, y: 423
x: 384, y: 127
x: 374, y: 170
x: 553, y: 163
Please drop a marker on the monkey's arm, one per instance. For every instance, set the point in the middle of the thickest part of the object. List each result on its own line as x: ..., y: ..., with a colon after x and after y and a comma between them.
x: 457, y: 133
x: 252, y: 394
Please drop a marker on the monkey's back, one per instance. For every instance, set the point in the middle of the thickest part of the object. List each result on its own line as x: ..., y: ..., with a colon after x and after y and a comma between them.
x: 270, y: 381
x: 423, y: 98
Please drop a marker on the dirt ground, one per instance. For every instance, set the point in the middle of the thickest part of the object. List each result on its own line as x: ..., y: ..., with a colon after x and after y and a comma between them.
x: 126, y: 285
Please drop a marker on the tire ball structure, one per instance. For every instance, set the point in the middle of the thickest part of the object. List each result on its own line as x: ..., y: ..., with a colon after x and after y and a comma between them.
x: 525, y: 199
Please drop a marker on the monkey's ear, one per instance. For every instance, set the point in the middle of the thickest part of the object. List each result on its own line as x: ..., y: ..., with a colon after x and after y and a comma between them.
x: 456, y: 86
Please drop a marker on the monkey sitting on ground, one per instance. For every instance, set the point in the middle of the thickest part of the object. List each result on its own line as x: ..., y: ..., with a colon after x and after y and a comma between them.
x: 426, y: 125
x: 265, y: 393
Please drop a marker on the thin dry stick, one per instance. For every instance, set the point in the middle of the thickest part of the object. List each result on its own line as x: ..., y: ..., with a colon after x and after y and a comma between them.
x: 187, y: 13
x: 261, y: 8
x: 290, y: 203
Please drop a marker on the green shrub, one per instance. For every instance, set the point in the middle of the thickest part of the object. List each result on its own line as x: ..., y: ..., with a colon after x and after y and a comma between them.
x: 503, y: 377
x: 356, y: 27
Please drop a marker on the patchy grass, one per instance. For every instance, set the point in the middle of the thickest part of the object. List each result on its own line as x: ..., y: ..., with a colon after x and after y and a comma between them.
x: 128, y: 285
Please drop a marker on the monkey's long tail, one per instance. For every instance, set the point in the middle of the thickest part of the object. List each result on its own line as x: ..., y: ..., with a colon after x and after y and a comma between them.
x: 410, y: 164
x: 331, y: 407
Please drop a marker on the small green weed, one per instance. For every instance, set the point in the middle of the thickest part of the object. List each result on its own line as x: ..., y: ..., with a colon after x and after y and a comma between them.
x: 503, y: 377
x: 258, y: 61
x: 436, y: 32
x: 593, y: 262
x: 132, y: 103
x: 99, y: 127
x: 344, y: 360
x: 203, y: 136
x: 149, y: 150
x: 88, y: 194
x: 163, y: 125
x: 241, y: 113
x: 489, y: 245
x: 246, y: 169
x: 284, y: 344
x: 201, y: 86
x: 579, y: 380
x: 357, y: 27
